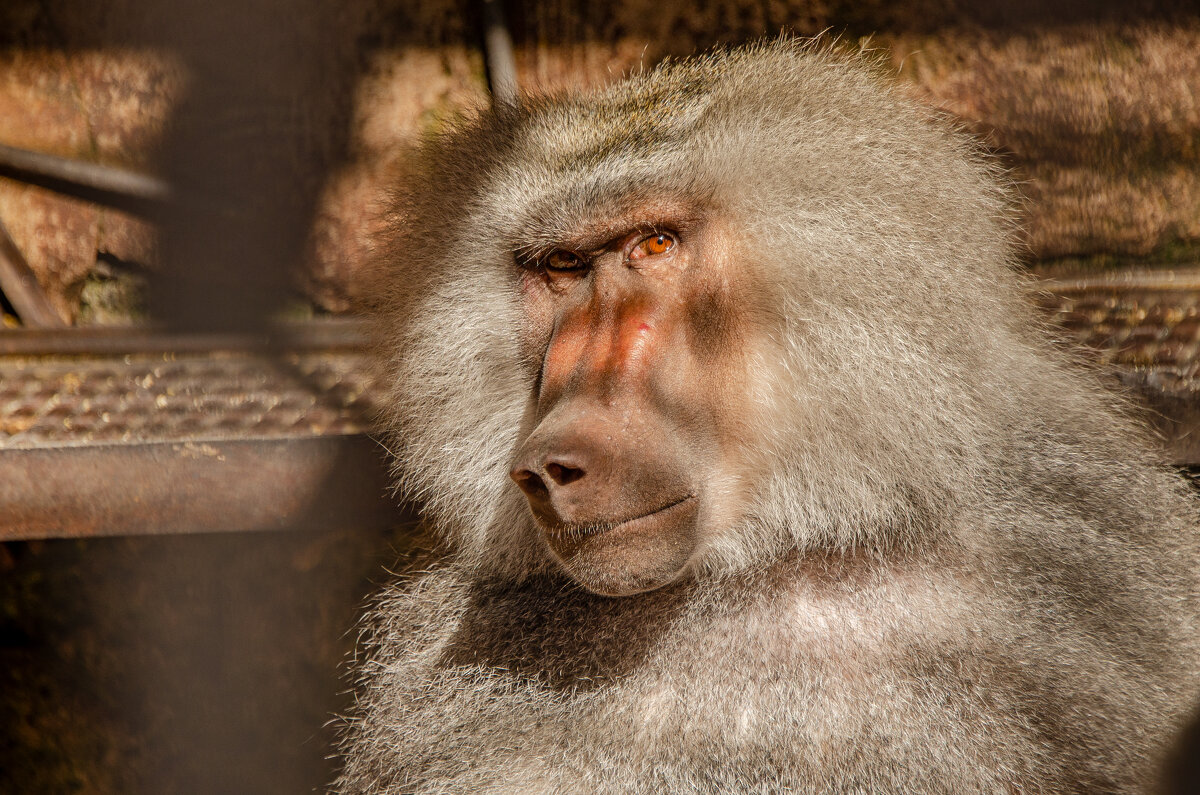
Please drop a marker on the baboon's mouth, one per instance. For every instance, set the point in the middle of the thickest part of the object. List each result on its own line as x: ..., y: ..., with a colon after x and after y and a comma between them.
x: 631, y: 554
x: 568, y: 530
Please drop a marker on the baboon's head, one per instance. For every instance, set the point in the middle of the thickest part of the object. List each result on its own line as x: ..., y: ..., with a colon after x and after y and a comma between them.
x: 635, y: 346
x: 721, y: 310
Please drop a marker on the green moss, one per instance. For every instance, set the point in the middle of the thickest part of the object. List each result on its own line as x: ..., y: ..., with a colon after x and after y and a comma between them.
x: 112, y: 297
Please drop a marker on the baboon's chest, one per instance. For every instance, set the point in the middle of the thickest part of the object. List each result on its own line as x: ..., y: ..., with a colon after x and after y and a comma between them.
x: 811, y: 694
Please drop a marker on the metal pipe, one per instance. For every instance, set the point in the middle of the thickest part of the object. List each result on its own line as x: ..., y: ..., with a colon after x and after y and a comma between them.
x: 21, y: 288
x: 1181, y: 279
x: 113, y: 187
x: 498, y: 48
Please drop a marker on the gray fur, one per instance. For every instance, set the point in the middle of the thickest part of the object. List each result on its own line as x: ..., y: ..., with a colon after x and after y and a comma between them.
x: 954, y: 564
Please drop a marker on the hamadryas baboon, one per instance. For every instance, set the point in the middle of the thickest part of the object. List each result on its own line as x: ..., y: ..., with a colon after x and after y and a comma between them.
x: 759, y: 474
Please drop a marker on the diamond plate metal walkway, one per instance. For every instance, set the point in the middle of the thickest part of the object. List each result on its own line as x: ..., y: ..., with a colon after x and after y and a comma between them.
x: 132, y: 432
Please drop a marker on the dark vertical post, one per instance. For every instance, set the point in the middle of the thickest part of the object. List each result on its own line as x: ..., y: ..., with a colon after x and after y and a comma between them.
x: 270, y: 84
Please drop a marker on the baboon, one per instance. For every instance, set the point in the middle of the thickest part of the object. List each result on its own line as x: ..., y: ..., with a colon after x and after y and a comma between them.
x: 758, y: 471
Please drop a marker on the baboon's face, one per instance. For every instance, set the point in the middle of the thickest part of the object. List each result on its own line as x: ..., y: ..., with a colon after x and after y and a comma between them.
x: 631, y: 327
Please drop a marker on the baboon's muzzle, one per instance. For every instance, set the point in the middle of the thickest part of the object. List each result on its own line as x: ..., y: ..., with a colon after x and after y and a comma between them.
x: 605, y: 472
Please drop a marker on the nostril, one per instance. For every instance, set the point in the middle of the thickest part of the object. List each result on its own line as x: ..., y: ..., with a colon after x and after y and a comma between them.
x: 530, y: 483
x: 562, y: 474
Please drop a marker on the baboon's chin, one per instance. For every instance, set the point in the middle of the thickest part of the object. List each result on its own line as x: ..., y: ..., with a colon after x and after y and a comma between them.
x: 637, y: 555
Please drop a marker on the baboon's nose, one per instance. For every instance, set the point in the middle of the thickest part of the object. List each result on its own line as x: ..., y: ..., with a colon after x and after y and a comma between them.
x: 529, y: 482
x: 563, y: 474
x: 575, y: 472
x: 538, y: 481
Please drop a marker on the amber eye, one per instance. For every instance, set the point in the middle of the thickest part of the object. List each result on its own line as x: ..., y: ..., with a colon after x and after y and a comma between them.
x: 563, y: 261
x: 653, y: 245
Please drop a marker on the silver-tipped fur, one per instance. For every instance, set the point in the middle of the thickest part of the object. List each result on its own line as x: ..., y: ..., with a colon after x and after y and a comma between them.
x: 946, y: 561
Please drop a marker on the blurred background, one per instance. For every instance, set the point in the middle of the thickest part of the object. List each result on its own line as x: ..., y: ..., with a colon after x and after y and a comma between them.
x: 192, y: 511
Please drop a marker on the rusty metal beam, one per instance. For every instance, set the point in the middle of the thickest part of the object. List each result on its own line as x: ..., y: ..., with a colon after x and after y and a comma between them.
x: 194, y: 487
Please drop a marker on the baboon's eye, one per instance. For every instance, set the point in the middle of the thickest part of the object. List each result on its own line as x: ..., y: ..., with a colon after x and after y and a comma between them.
x: 653, y: 245
x: 563, y: 261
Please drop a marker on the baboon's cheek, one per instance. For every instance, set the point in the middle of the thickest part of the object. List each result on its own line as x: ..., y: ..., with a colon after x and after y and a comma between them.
x: 638, y: 555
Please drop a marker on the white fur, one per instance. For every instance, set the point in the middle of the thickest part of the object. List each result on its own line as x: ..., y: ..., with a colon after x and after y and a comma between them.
x: 955, y: 565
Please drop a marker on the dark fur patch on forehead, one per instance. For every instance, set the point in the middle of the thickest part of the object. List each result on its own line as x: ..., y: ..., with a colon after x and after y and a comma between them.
x: 660, y: 117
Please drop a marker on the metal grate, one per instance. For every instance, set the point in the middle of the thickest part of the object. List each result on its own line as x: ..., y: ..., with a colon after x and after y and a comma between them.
x: 1145, y: 325
x: 170, y: 397
x: 131, y: 432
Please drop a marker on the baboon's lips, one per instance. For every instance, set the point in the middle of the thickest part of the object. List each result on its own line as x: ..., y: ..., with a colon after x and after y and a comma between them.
x: 578, y: 529
x: 631, y: 555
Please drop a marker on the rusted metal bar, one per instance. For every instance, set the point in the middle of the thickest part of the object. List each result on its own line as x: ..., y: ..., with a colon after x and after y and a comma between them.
x: 113, y: 187
x: 21, y: 288
x: 331, y: 334
x: 1185, y: 278
x: 194, y: 487
x: 498, y: 49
